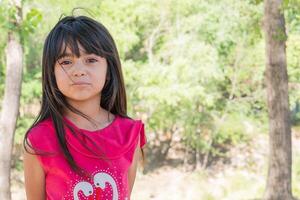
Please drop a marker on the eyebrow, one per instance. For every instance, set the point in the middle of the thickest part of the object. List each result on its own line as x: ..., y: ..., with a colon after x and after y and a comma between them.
x: 72, y: 55
x: 64, y: 55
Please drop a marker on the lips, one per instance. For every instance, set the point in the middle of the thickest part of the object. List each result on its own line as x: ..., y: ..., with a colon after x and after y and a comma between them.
x: 81, y: 83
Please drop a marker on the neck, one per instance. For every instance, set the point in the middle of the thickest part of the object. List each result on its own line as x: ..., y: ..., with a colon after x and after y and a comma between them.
x: 90, y: 108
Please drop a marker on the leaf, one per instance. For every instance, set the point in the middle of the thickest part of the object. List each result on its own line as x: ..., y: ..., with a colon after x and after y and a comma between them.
x: 31, y: 21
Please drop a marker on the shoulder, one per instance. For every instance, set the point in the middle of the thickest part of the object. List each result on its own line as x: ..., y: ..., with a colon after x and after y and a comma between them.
x: 129, y: 121
x: 42, y: 133
x: 135, y: 129
x: 41, y: 128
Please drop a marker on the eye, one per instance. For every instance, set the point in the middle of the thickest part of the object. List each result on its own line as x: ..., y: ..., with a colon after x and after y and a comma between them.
x: 91, y: 60
x: 65, y: 62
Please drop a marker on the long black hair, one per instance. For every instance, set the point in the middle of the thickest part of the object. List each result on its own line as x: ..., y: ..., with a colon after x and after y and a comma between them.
x: 94, y: 38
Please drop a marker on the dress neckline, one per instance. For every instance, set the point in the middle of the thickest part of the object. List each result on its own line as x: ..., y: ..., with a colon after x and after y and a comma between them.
x: 90, y: 131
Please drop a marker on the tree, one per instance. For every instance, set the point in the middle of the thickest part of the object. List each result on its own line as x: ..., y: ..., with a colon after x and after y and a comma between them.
x: 280, y: 156
x: 18, y: 29
x: 10, y: 104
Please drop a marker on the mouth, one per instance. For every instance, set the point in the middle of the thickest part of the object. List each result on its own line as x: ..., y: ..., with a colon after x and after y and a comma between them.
x: 81, y: 83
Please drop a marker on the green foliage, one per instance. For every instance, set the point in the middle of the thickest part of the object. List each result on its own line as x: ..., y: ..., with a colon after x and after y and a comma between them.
x: 186, y: 64
x: 232, y: 131
x: 23, y: 123
x: 31, y: 87
x: 24, y: 25
x: 12, y: 19
x: 30, y: 22
x: 193, y: 66
x: 296, y: 174
x: 292, y: 16
x: 293, y: 50
x: 256, y: 2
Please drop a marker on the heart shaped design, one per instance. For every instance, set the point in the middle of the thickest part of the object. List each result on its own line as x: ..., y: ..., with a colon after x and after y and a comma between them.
x: 100, y: 179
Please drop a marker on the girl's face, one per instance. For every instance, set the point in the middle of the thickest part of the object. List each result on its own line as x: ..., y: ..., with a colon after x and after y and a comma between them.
x: 80, y: 78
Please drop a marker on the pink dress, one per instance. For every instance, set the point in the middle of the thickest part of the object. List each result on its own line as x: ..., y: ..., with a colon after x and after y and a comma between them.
x: 109, y: 177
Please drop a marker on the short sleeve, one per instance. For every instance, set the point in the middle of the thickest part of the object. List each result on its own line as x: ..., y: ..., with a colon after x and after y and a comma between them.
x: 143, y: 139
x: 33, y: 138
x: 44, y: 144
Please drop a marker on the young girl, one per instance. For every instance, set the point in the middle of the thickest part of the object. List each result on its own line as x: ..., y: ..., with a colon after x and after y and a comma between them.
x: 82, y: 144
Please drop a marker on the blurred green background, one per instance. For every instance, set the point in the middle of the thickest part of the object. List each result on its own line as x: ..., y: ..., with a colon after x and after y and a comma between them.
x: 194, y: 73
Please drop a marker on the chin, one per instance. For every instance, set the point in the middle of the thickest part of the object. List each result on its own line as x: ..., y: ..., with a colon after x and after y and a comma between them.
x: 81, y: 98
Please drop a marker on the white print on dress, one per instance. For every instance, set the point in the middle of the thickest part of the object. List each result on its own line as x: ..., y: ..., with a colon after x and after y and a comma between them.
x: 85, y: 187
x: 100, y: 179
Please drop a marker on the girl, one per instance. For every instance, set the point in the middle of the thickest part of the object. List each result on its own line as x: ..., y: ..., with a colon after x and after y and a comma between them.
x: 82, y: 144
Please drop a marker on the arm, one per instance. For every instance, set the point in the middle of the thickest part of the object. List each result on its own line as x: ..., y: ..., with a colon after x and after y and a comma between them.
x: 34, y: 177
x: 133, y: 168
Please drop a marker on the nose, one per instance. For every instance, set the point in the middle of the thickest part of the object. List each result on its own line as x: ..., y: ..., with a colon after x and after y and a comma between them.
x: 78, y: 69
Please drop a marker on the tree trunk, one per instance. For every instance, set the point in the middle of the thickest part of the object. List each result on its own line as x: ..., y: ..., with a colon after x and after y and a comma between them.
x: 10, y: 110
x: 280, y: 156
x: 10, y: 104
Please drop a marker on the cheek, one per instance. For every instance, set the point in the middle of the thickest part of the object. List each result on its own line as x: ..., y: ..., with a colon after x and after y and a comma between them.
x: 60, y: 80
x: 101, y: 76
x: 59, y: 84
x: 99, y: 81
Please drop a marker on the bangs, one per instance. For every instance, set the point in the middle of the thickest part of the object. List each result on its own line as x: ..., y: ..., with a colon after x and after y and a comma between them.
x: 73, y: 33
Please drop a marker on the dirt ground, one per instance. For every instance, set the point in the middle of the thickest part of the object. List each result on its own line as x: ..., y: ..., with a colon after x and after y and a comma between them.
x: 167, y: 183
